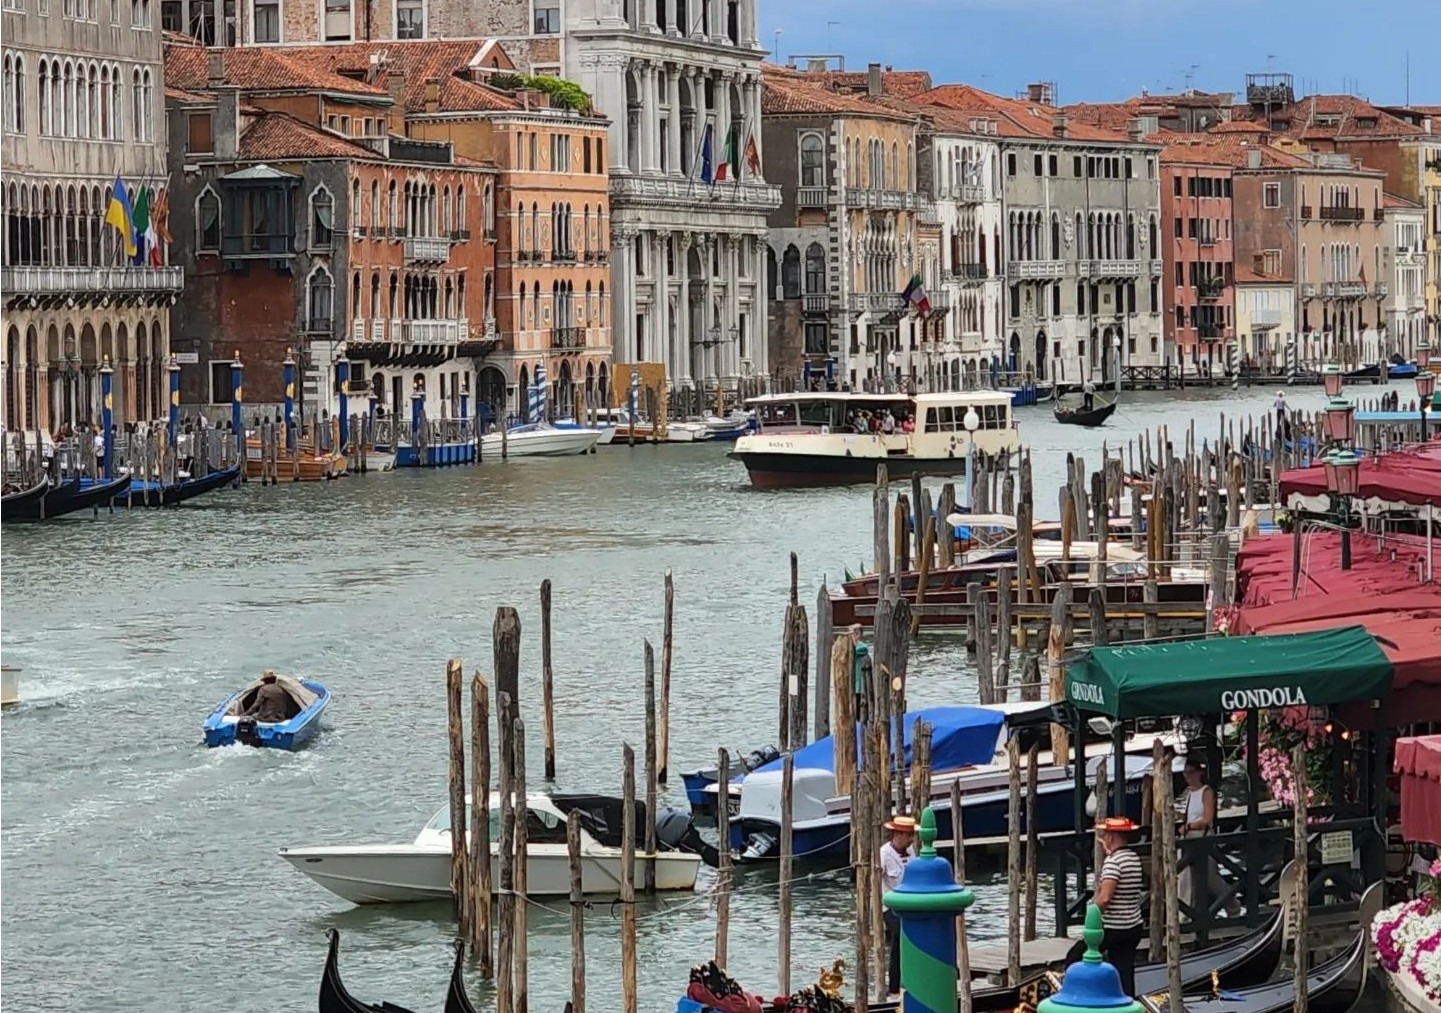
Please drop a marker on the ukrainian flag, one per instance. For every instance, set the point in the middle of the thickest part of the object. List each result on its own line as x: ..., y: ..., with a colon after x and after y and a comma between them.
x: 119, y: 215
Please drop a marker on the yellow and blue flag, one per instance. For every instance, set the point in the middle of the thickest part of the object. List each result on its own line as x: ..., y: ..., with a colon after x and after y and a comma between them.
x: 119, y: 215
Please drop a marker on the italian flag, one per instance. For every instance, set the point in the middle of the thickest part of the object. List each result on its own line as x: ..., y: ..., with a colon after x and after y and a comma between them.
x: 727, y: 167
x: 140, y: 219
x: 915, y: 294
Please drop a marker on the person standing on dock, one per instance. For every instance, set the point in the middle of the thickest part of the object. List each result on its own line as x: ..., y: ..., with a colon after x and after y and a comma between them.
x: 1088, y: 394
x: 1199, y: 819
x: 895, y: 853
x: 1118, y: 895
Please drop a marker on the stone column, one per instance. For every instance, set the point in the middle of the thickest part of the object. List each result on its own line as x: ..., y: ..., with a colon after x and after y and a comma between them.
x: 613, y: 100
x: 723, y: 114
x: 672, y: 82
x: 733, y: 292
x: 661, y: 301
x: 670, y: 18
x: 622, y: 289
x: 709, y: 321
x: 683, y: 305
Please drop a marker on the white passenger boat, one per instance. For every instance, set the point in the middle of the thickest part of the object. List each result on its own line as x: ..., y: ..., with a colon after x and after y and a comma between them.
x: 810, y: 439
x: 420, y: 871
x: 539, y: 439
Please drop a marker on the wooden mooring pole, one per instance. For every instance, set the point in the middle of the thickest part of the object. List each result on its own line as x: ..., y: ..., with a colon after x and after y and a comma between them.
x: 1303, y: 886
x: 547, y: 680
x: 577, y: 914
x: 725, y: 873
x: 455, y: 729
x: 963, y: 951
x: 627, y: 882
x: 482, y: 942
x: 520, y: 973
x: 505, y: 955
x: 667, y: 643
x: 650, y: 769
x: 783, y: 940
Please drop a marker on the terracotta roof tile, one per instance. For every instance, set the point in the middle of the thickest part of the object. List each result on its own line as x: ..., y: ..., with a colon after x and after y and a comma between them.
x: 257, y: 69
x: 1224, y: 149
x: 179, y: 95
x: 419, y: 61
x: 787, y: 92
x: 1108, y: 115
x: 1015, y: 118
x: 1246, y: 276
x: 1391, y: 200
x: 275, y: 136
x: 1339, y: 118
x: 897, y: 83
x: 1238, y: 127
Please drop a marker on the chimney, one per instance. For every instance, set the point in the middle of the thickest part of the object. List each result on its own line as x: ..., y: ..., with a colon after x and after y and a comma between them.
x: 1136, y: 129
x: 1426, y: 124
x: 1041, y: 94
x: 225, y: 128
x: 395, y: 84
x: 215, y: 69
x: 873, y: 81
x: 816, y: 65
x: 1253, y: 158
x: 432, y: 94
x: 1061, y: 125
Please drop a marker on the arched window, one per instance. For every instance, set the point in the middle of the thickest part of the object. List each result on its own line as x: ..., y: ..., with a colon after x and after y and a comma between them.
x: 207, y: 222
x: 1130, y: 237
x: 375, y: 307
x: 84, y: 91
x: 68, y: 110
x: 117, y: 103
x: 1151, y: 239
x: 791, y: 273
x: 391, y: 209
x: 10, y: 93
x: 47, y: 119
x: 812, y: 160
x: 815, y: 269
x: 489, y: 210
x: 106, y: 115
x: 1055, y: 236
x: 895, y: 177
x: 354, y: 212
x: 460, y: 208
x: 137, y: 106
x: 375, y: 203
x: 322, y: 218
x: 320, y: 298
x: 446, y: 225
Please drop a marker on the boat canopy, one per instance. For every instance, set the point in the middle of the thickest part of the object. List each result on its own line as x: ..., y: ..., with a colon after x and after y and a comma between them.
x: 1230, y: 673
x: 960, y: 737
x: 1418, y: 761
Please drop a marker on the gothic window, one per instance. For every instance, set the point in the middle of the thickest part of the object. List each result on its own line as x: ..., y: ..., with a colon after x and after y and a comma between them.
x: 812, y: 161
x: 322, y: 219
x: 207, y: 222
x: 815, y: 268
x: 791, y: 273
x: 319, y: 297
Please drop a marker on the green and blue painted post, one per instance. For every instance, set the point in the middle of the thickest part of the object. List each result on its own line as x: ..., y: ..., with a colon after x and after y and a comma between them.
x: 926, y: 901
x: 237, y: 398
x: 173, y: 422
x: 342, y: 378
x: 1091, y: 983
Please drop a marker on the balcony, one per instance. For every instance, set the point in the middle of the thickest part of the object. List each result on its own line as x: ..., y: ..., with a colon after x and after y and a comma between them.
x: 940, y: 301
x: 427, y: 249
x: 1381, y: 290
x: 969, y: 195
x: 877, y: 302
x: 1308, y: 291
x: 811, y: 197
x: 815, y: 302
x: 1210, y: 332
x: 1030, y: 270
x: 1343, y: 290
x: 1307, y: 212
x: 1110, y: 269
x: 1379, y: 215
x: 567, y: 337
x: 968, y: 272
x: 377, y: 330
x: 563, y: 257
x: 928, y: 215
x: 653, y: 191
x: 319, y: 325
x: 1264, y: 320
x: 430, y: 332
x: 101, y: 281
x: 490, y: 233
x: 1206, y: 240
x: 1212, y: 288
x: 1343, y: 214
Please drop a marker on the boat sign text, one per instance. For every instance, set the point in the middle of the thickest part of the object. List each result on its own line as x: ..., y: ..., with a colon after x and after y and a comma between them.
x: 1277, y: 696
x: 1086, y: 692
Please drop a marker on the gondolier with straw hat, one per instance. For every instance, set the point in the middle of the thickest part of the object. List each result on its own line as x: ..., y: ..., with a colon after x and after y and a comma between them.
x: 895, y: 853
x: 1118, y: 895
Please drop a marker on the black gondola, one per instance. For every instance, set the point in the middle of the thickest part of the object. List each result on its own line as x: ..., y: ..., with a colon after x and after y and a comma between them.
x: 1371, y: 372
x: 1331, y: 987
x: 14, y: 504
x: 70, y: 497
x: 189, y: 489
x: 1084, y: 416
x: 1236, y: 963
x: 456, y: 1001
x: 333, y: 996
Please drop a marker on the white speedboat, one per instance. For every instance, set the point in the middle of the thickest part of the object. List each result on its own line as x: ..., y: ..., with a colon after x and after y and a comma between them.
x: 687, y: 432
x: 539, y: 439
x: 606, y: 429
x: 420, y: 871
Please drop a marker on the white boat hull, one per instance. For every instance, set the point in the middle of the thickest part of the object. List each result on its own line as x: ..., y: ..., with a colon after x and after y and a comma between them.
x: 408, y: 873
x: 547, y: 443
x: 9, y: 687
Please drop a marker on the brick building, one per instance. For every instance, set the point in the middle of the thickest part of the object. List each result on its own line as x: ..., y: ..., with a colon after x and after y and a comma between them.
x: 306, y: 224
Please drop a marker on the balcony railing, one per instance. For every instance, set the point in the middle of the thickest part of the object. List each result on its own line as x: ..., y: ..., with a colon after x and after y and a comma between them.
x: 649, y: 190
x: 563, y: 257
x: 877, y: 302
x: 377, y: 330
x: 1206, y: 240
x: 1110, y: 268
x: 1343, y: 290
x: 1342, y: 214
x: 1306, y: 212
x: 1210, y: 332
x: 968, y: 272
x: 104, y: 280
x: 1211, y: 289
x: 928, y: 215
x: 1308, y: 291
x: 969, y: 195
x: 1380, y: 215
x: 431, y: 332
x: 567, y: 337
x: 1029, y: 269
x: 815, y: 302
x: 1264, y: 320
x: 423, y: 249
x: 811, y: 197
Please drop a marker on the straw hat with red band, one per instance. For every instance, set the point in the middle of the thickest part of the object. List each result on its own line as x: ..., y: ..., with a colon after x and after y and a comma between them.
x: 1117, y: 825
x: 901, y: 824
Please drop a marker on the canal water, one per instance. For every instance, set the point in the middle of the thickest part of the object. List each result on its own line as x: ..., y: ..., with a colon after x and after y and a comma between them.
x: 140, y: 869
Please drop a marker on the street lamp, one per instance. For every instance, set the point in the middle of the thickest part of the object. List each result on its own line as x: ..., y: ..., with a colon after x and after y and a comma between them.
x: 893, y: 376
x: 1341, y: 420
x: 972, y: 422
x: 1332, y: 378
x: 1425, y: 388
x: 1343, y: 478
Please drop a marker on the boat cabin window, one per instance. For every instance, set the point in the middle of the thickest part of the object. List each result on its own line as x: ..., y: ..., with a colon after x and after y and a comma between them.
x: 940, y: 420
x: 778, y: 414
x: 816, y: 413
x: 540, y: 827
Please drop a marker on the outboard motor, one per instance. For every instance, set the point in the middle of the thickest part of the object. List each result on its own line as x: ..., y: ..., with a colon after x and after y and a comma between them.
x: 760, y: 757
x: 675, y: 831
x: 247, y: 732
x: 758, y: 845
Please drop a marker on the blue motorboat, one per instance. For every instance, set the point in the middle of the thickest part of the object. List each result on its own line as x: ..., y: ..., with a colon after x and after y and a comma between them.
x: 967, y: 745
x: 229, y: 724
x: 1402, y: 371
x: 697, y: 781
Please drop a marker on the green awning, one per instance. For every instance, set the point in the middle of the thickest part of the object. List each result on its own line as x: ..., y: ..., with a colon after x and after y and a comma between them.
x: 1230, y: 673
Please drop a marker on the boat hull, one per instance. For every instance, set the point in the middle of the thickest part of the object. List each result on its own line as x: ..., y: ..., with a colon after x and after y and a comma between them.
x: 69, y: 498
x: 1083, y: 417
x: 287, y: 735
x: 793, y: 471
x: 412, y: 873
x: 552, y: 443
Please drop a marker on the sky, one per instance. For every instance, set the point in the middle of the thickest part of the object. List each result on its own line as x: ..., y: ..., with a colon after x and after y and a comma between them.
x: 1107, y: 50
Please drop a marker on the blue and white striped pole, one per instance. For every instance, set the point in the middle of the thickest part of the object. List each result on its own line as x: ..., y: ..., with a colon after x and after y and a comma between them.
x: 417, y: 415
x: 536, y: 409
x: 290, y: 399
x: 342, y: 377
x: 237, y: 398
x: 634, y: 395
x: 107, y: 415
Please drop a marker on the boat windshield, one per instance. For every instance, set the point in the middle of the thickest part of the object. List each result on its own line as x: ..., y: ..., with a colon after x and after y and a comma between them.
x: 541, y: 827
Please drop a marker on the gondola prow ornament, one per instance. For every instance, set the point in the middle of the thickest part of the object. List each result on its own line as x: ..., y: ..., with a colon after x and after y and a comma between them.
x: 1091, y: 983
x: 927, y: 900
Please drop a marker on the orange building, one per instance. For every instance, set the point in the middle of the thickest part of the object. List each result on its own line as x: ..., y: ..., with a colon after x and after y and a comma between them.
x: 550, y: 216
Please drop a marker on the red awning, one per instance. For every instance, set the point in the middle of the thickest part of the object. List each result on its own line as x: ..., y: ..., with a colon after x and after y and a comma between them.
x: 1418, y: 761
x: 1413, y: 478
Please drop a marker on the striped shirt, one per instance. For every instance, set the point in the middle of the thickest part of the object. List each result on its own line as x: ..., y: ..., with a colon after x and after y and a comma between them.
x: 1124, y: 911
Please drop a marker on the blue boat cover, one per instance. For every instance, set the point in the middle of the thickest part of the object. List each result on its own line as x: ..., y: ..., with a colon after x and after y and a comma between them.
x: 960, y: 737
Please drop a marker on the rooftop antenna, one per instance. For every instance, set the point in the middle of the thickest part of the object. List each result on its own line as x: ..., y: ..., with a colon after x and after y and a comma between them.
x: 776, y: 53
x: 1408, y: 79
x: 830, y: 43
x: 1191, y: 75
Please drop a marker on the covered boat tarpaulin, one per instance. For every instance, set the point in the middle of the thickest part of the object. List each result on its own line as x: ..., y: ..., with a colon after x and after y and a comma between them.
x: 1230, y: 673
x: 1393, y: 481
x: 1418, y: 761
x: 960, y: 737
